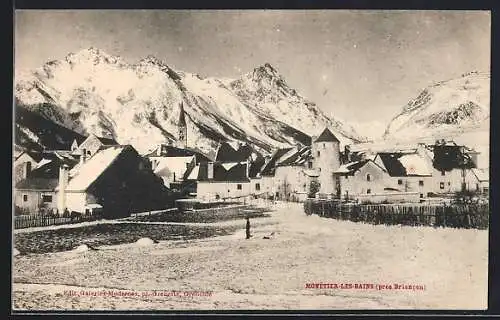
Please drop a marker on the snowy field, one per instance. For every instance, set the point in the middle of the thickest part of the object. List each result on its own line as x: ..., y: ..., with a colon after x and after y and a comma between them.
x: 451, y: 265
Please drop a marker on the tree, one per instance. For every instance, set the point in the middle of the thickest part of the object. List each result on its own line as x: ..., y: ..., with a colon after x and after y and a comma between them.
x: 314, y: 187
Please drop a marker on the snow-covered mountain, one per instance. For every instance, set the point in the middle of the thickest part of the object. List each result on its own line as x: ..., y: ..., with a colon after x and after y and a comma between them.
x: 445, y: 109
x: 139, y: 104
x: 456, y: 109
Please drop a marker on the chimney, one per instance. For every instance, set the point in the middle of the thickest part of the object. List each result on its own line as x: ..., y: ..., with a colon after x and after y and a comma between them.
x: 26, y: 169
x: 63, y: 183
x: 83, y: 157
x: 210, y: 170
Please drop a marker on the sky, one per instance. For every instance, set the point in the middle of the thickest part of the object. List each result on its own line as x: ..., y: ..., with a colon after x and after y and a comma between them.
x: 358, y: 66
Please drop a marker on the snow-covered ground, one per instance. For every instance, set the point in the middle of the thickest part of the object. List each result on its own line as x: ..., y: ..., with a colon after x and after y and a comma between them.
x: 269, y: 273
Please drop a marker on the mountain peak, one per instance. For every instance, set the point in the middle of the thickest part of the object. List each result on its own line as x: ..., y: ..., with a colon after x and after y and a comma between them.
x: 92, y: 54
x: 150, y: 59
x: 265, y: 70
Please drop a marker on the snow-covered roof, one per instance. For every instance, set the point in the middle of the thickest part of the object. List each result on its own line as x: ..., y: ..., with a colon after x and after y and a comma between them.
x: 270, y: 165
x: 93, y: 168
x: 295, y: 157
x: 167, y: 165
x: 351, y: 167
x: 415, y: 165
x: 345, y: 167
x: 401, y: 165
x: 42, y: 163
x: 229, y: 165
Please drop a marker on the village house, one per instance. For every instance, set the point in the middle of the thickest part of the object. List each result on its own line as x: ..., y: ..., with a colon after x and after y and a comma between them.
x: 36, y: 192
x: 452, y: 167
x: 268, y: 171
x: 294, y: 173
x: 23, y: 163
x: 91, y: 145
x: 287, y: 174
x: 218, y: 181
x: 97, y: 175
x: 360, y: 178
x: 228, y: 176
x: 115, y: 178
x: 408, y: 172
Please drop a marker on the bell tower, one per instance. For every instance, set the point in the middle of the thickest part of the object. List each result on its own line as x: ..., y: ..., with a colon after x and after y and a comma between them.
x: 182, y: 127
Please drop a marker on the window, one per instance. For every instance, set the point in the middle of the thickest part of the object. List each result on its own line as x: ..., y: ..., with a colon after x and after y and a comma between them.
x: 310, y: 165
x: 449, y: 183
x: 318, y: 153
x: 441, y: 185
x: 88, y: 153
x: 25, y: 197
x: 46, y: 198
x: 324, y: 146
x: 369, y: 191
x: 443, y: 172
x: 421, y: 195
x: 238, y: 186
x: 368, y: 177
x: 257, y: 186
x: 400, y: 181
x: 486, y: 189
x: 477, y: 186
x: 421, y: 183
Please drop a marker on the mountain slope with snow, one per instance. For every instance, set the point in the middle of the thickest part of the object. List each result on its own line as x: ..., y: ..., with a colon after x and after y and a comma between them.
x: 445, y: 109
x: 457, y: 109
x: 139, y: 104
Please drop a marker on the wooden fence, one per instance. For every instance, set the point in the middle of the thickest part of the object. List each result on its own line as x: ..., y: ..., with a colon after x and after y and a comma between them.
x: 439, y: 215
x: 31, y: 221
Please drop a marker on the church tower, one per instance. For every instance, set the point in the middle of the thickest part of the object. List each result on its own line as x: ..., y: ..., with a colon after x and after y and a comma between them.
x: 182, y: 128
x: 326, y: 159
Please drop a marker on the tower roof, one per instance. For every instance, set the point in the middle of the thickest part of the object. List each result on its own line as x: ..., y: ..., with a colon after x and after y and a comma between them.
x: 182, y: 118
x: 327, y: 136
